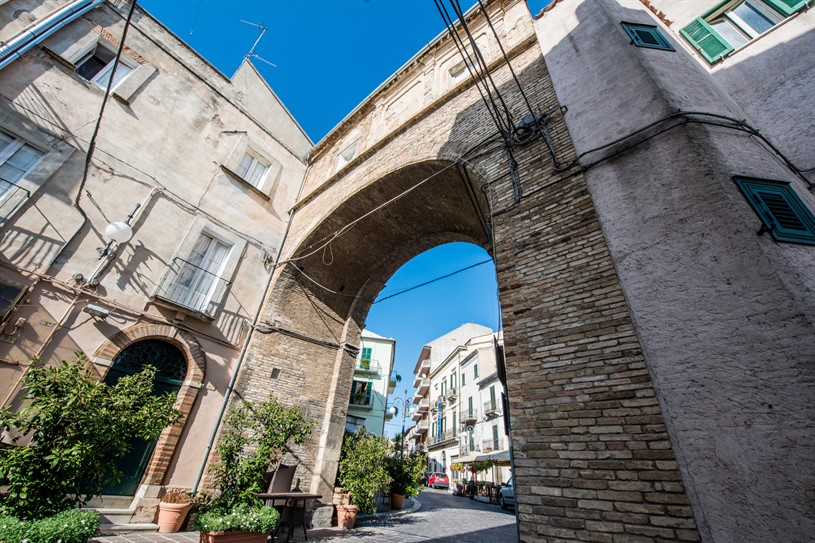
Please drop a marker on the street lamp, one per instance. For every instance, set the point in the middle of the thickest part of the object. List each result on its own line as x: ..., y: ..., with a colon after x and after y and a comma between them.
x: 406, y: 404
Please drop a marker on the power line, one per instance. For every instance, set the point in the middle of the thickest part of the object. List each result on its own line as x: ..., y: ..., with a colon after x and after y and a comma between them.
x: 414, y: 287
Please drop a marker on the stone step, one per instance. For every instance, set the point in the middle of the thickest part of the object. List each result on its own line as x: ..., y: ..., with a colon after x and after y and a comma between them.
x: 118, y: 529
x: 110, y: 502
x: 115, y: 516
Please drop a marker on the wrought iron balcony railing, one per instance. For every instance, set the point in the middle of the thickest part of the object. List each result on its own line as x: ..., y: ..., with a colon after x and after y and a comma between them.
x: 192, y: 288
x: 11, y: 197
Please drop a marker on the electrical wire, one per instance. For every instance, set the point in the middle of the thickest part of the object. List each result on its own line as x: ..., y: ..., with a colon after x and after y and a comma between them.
x: 431, y: 281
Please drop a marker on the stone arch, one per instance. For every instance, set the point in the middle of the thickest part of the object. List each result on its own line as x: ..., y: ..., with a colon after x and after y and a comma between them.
x: 196, y: 372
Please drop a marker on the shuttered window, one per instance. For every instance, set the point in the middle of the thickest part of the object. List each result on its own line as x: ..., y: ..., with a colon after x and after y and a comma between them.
x: 732, y: 24
x: 782, y: 213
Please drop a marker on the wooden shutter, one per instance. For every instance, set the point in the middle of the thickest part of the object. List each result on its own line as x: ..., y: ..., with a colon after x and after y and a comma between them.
x: 707, y: 41
x: 787, y: 7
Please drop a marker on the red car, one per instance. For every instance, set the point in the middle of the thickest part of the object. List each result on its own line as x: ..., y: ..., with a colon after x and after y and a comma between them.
x: 438, y: 480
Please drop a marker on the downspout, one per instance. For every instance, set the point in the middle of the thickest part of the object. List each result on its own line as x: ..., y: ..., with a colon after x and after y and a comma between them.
x: 26, y: 40
x: 245, y: 346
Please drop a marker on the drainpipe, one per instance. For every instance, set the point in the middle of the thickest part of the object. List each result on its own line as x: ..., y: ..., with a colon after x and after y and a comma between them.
x: 244, y: 347
x: 23, y: 42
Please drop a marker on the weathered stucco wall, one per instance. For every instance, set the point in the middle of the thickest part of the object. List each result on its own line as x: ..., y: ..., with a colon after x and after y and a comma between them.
x: 725, y: 317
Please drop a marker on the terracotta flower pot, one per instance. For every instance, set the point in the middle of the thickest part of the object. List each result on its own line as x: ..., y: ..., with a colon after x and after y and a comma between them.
x: 171, y: 516
x: 397, y: 501
x: 346, y: 516
x: 232, y: 537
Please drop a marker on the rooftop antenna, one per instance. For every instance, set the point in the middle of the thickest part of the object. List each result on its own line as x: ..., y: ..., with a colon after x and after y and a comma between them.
x: 251, y: 53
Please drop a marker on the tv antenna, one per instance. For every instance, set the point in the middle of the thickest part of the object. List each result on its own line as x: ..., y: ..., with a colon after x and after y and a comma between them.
x: 251, y: 53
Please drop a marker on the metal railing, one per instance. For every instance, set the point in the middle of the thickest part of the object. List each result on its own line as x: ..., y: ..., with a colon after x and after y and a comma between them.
x: 366, y: 365
x: 468, y: 416
x: 359, y: 400
x: 192, y: 288
x: 422, y: 426
x: 11, y: 197
x: 492, y: 408
x: 490, y: 445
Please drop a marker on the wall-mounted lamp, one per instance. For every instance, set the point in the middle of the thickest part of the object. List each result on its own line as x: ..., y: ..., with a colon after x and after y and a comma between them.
x: 96, y: 311
x: 118, y: 232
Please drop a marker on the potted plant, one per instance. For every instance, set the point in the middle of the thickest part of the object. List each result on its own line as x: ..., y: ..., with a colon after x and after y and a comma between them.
x: 363, y: 473
x: 406, y: 477
x: 254, y: 436
x: 173, y: 509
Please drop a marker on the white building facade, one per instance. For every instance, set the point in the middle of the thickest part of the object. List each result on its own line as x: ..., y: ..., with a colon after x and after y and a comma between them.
x: 368, y: 401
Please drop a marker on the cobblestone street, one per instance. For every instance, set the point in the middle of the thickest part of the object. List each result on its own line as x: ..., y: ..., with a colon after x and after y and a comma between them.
x: 442, y: 518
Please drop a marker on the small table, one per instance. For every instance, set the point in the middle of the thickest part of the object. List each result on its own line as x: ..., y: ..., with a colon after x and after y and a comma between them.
x: 294, y: 510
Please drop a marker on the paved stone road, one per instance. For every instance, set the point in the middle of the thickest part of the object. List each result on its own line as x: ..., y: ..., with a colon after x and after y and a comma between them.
x: 443, y: 518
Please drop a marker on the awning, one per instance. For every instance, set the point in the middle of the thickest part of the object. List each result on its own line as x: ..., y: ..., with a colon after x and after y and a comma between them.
x: 469, y: 459
x: 499, y: 457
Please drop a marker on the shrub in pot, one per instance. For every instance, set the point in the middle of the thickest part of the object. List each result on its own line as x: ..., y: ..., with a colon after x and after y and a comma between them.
x: 406, y: 477
x: 254, y: 437
x: 363, y: 470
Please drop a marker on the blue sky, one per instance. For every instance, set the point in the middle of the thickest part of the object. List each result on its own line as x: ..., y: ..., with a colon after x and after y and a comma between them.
x: 329, y: 56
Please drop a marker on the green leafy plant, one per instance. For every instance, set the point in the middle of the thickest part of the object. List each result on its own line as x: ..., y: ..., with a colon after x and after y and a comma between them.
x: 243, y: 517
x: 76, y: 428
x: 73, y: 526
x: 406, y: 474
x: 254, y: 437
x: 363, y: 468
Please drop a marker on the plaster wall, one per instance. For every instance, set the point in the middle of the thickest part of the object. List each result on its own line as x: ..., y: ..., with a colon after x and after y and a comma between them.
x: 171, y: 138
x: 725, y: 317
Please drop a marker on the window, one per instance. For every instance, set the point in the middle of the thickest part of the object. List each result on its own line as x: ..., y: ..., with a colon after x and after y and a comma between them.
x: 461, y: 71
x: 470, y: 406
x: 733, y: 23
x: 17, y: 158
x: 475, y: 371
x: 453, y: 380
x: 471, y: 439
x: 97, y: 65
x: 463, y: 378
x: 495, y: 443
x: 649, y: 36
x: 10, y: 295
x: 196, y: 283
x: 365, y: 357
x: 253, y: 170
x: 361, y: 393
x: 781, y: 211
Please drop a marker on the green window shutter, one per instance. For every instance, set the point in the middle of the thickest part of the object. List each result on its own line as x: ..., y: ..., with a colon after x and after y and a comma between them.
x: 470, y: 405
x: 706, y: 40
x: 787, y: 7
x: 780, y: 210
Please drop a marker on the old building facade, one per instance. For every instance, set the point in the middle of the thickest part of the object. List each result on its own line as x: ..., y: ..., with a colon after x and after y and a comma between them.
x: 647, y: 204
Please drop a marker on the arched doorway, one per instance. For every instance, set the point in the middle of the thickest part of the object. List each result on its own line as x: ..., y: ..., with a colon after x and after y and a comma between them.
x: 171, y: 369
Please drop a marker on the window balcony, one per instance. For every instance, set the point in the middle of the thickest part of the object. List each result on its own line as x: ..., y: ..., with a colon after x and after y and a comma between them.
x: 490, y: 445
x: 366, y: 365
x: 192, y: 289
x: 450, y: 395
x: 361, y: 401
x: 11, y: 198
x: 468, y: 416
x: 424, y: 369
x: 423, y: 405
x: 492, y: 409
x: 421, y: 426
x: 392, y: 382
x: 421, y: 384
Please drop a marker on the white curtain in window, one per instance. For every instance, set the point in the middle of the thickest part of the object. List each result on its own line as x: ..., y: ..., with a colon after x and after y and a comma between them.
x: 198, y: 278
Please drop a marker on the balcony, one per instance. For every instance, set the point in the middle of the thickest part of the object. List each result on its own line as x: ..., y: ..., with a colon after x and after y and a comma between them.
x: 367, y: 366
x: 424, y: 369
x: 423, y: 405
x: 490, y: 445
x: 451, y: 394
x: 492, y: 409
x: 192, y: 289
x: 392, y: 382
x: 11, y: 197
x: 417, y: 416
x: 421, y: 384
x: 421, y: 427
x: 362, y: 401
x: 468, y: 416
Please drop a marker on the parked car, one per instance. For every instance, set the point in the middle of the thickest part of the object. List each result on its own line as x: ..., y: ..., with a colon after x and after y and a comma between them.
x: 438, y: 479
x: 506, y: 495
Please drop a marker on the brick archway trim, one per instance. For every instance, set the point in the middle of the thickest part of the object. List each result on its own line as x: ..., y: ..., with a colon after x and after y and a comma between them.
x: 196, y: 371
